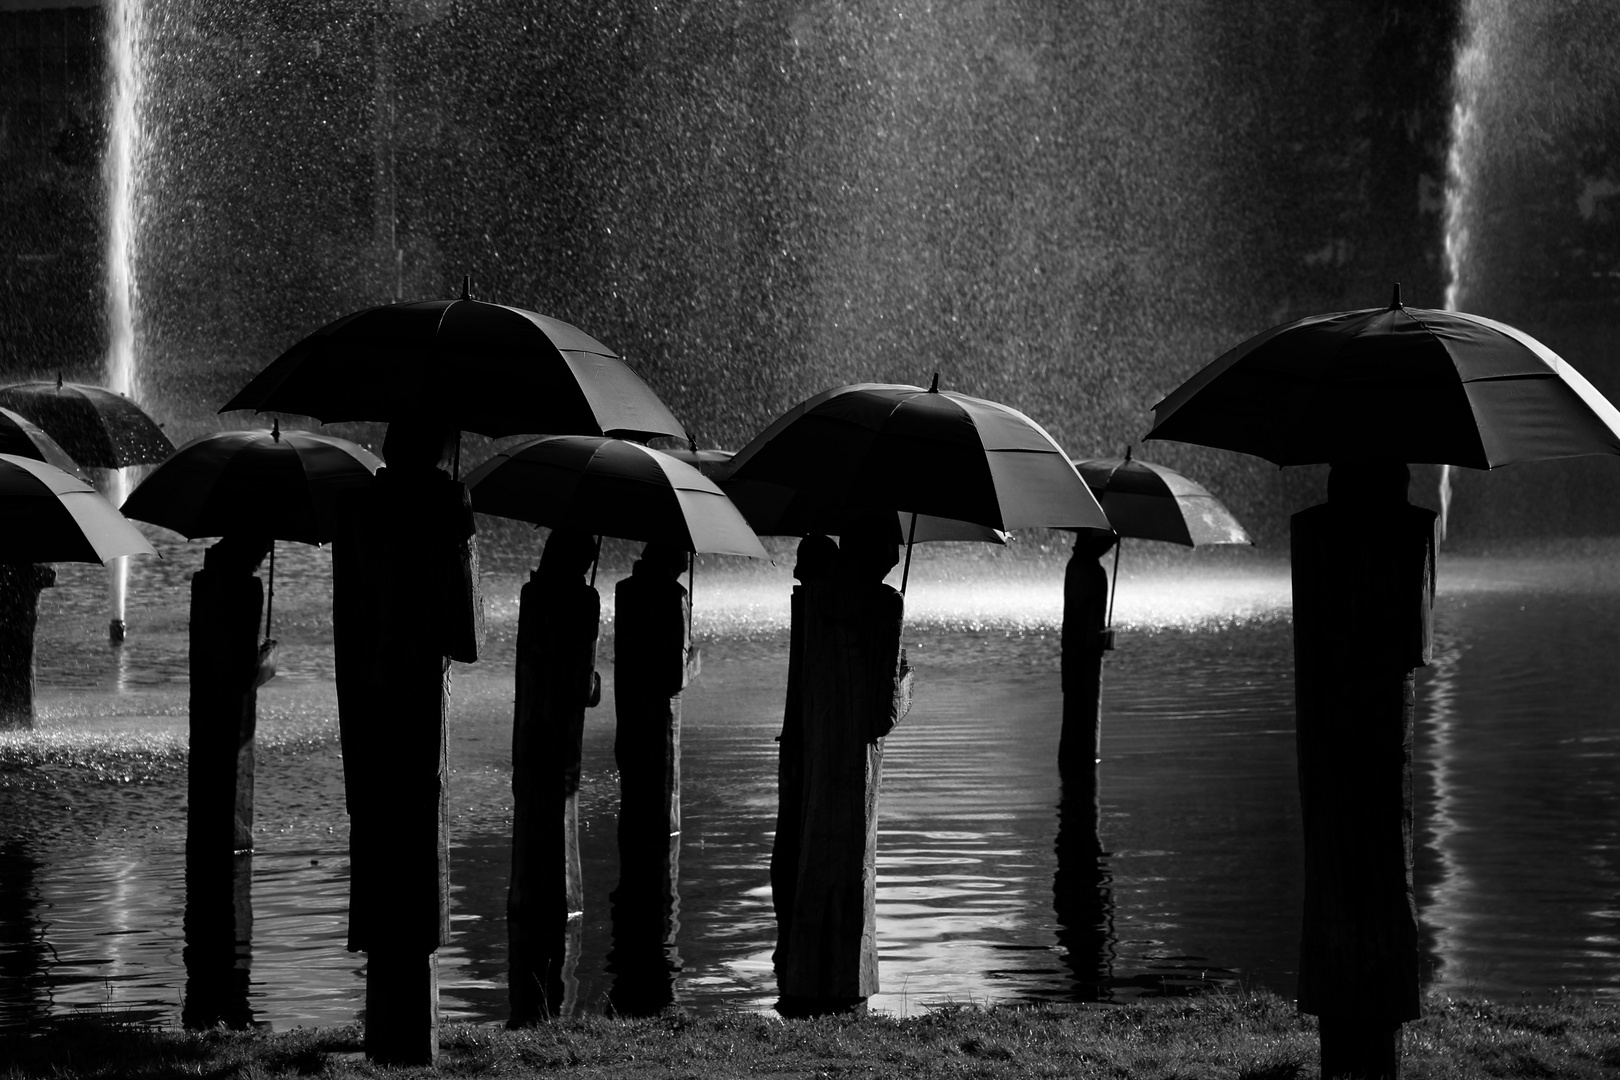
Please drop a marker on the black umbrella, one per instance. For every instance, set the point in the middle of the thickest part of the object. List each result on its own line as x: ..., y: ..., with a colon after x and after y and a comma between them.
x: 20, y: 437
x: 285, y: 485
x: 480, y: 367
x: 53, y: 516
x: 1148, y: 501
x: 887, y: 447
x: 96, y: 427
x: 1392, y: 384
x: 611, y: 487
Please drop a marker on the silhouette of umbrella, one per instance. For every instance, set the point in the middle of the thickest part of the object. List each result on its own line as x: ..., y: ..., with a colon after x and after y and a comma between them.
x: 879, y: 446
x: 97, y: 428
x: 24, y: 439
x: 611, y: 487
x: 1154, y: 502
x: 482, y: 367
x: 53, y: 516
x: 1392, y: 384
x: 775, y: 510
x: 285, y: 485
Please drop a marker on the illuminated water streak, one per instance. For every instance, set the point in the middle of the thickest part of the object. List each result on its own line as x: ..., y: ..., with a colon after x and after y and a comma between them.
x: 1470, y: 71
x: 123, y: 36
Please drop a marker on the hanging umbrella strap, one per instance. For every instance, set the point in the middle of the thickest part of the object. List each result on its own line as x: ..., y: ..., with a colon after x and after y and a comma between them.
x: 270, y: 592
x: 911, y: 535
x: 1113, y: 584
x: 691, y: 562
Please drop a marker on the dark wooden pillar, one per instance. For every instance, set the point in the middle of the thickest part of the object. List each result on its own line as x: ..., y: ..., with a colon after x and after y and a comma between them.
x: 653, y: 661
x: 1085, y: 640
x: 855, y: 690
x: 219, y: 941
x: 227, y: 600
x: 20, y: 584
x: 558, y: 619
x: 816, y: 559
x: 405, y: 603
x: 1363, y: 579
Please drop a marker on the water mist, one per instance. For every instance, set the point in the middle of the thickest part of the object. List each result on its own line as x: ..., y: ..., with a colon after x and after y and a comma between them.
x: 119, y: 167
x: 1469, y: 72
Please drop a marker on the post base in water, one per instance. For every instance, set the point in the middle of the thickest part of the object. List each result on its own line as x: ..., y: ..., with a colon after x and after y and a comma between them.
x: 117, y: 630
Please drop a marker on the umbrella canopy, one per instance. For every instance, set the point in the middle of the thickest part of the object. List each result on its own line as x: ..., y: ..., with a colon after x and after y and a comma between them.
x: 97, y: 428
x: 613, y: 488
x: 487, y: 368
x: 878, y: 446
x: 775, y: 510
x: 20, y: 437
x: 1147, y: 501
x: 1392, y: 384
x: 52, y: 516
x: 285, y: 485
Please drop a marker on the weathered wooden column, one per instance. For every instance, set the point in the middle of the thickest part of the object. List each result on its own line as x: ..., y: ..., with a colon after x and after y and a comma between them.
x: 816, y: 559
x: 1363, y: 578
x: 1085, y: 640
x: 405, y: 603
x: 20, y: 585
x: 227, y: 600
x: 653, y: 661
x: 219, y: 941
x: 558, y: 618
x: 856, y: 689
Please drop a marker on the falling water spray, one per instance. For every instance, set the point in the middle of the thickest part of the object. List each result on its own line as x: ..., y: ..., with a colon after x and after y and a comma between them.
x: 122, y: 41
x: 1469, y: 72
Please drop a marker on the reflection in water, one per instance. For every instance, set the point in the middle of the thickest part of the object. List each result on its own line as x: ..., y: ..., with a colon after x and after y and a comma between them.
x: 1082, y: 893
x: 219, y: 941
x: 1519, y: 792
x: 24, y: 951
x: 644, y: 960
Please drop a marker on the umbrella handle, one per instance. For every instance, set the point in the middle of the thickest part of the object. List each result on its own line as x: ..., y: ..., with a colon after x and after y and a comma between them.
x: 911, y: 534
x: 270, y: 592
x: 1113, y: 584
x: 691, y: 562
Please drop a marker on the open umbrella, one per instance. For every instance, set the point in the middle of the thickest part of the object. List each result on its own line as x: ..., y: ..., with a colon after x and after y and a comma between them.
x: 775, y: 510
x: 482, y: 367
x: 285, y: 485
x: 98, y: 428
x: 881, y: 446
x: 52, y: 516
x: 24, y: 439
x: 1153, y: 502
x: 611, y: 487
x: 1392, y: 384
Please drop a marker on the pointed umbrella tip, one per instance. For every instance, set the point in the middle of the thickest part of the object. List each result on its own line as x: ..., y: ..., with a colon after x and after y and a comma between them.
x: 275, y: 429
x: 59, y: 380
x: 933, y: 388
x: 1127, y: 451
x: 1395, y: 301
x: 466, y: 286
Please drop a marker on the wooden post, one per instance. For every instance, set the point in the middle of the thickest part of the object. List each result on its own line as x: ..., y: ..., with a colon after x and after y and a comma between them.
x: 405, y: 603
x: 1082, y: 891
x: 219, y: 941
x: 856, y: 688
x: 558, y: 619
x: 1363, y: 579
x: 653, y: 661
x: 1085, y: 625
x: 816, y: 558
x: 226, y: 602
x: 20, y: 584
